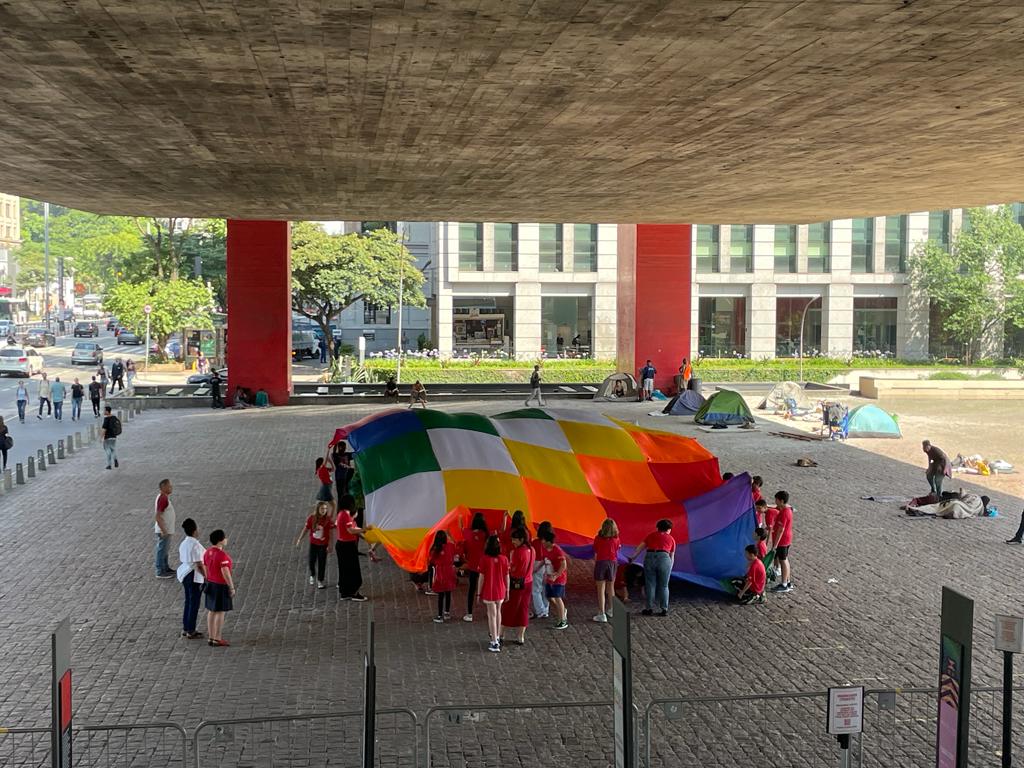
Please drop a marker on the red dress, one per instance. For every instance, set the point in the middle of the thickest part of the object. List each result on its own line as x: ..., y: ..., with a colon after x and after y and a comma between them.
x: 515, y: 612
x: 444, y: 568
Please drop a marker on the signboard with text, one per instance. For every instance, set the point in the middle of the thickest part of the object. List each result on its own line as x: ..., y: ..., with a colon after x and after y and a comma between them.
x: 1010, y: 634
x: 845, y: 710
x: 955, y: 645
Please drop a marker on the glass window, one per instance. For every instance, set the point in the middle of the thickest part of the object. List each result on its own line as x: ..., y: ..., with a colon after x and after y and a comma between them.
x: 707, y: 248
x: 374, y: 314
x: 584, y: 256
x: 369, y: 226
x: 819, y: 247
x: 506, y: 247
x: 789, y: 311
x: 566, y: 324
x: 483, y: 324
x: 785, y: 248
x: 722, y: 330
x: 965, y: 222
x: 741, y: 248
x: 874, y: 326
x: 938, y: 228
x: 471, y: 251
x: 863, y: 245
x: 1018, y: 213
x: 550, y: 247
x: 895, y: 243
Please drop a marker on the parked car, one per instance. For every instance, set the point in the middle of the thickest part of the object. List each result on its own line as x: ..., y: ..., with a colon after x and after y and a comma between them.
x: 87, y: 353
x: 88, y: 330
x: 111, y: 323
x: 127, y: 337
x: 304, y: 344
x: 38, y: 337
x: 20, y: 361
x: 204, y: 378
x: 173, y: 349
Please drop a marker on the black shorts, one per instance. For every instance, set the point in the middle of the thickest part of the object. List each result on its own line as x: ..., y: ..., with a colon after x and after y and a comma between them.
x: 218, y: 597
x: 782, y: 553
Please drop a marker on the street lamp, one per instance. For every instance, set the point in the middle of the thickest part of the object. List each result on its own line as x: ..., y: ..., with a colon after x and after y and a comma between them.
x: 803, y: 318
x: 46, y: 264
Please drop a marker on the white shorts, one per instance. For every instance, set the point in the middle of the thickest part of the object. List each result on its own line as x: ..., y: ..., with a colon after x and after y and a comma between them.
x: 648, y: 385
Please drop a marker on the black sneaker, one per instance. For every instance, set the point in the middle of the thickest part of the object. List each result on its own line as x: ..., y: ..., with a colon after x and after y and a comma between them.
x: 116, y: 464
x: 359, y: 598
x: 646, y: 612
x: 663, y: 613
x: 1014, y: 540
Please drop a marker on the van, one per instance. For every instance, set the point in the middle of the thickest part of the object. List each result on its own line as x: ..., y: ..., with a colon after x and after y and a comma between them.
x: 304, y: 344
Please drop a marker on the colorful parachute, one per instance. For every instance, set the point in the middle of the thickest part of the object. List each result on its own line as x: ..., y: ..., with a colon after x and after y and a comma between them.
x: 423, y: 470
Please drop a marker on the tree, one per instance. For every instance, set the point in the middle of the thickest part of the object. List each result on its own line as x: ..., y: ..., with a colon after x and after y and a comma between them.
x: 176, y: 304
x: 331, y: 272
x: 165, y: 239
x: 977, y: 282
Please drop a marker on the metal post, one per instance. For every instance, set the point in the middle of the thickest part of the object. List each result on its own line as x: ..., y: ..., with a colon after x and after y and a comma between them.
x: 147, y: 342
x: 46, y: 264
x: 78, y: 440
x: 844, y: 750
x: 31, y: 464
x: 50, y: 457
x: 1007, y: 708
x: 41, y: 460
x: 803, y: 317
x: 398, y: 376
x: 19, y: 473
x: 92, y: 433
x: 60, y: 448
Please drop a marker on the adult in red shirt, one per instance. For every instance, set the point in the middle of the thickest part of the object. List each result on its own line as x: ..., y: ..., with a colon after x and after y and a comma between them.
x: 220, y: 587
x: 515, y: 612
x: 557, y: 570
x: 606, y: 554
x: 752, y: 587
x: 319, y: 526
x: 660, y: 551
x: 442, y: 558
x: 474, y: 539
x: 350, y: 579
x: 782, y: 537
x: 494, y: 584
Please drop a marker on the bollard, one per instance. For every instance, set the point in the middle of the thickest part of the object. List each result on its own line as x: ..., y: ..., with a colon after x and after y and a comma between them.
x: 138, y: 407
x: 8, y: 480
x: 19, y: 474
x: 41, y: 460
x: 60, y: 448
x: 131, y: 412
x: 78, y: 440
x: 92, y: 433
x: 69, y: 444
x: 50, y: 457
x: 31, y: 467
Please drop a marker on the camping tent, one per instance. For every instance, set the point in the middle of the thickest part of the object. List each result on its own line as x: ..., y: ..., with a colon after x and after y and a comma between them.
x: 604, y: 392
x: 686, y: 403
x: 781, y: 392
x: 726, y: 406
x: 871, y: 421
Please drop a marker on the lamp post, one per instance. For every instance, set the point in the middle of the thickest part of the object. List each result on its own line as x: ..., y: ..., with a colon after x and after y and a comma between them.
x: 46, y: 264
x: 803, y: 318
x: 398, y: 372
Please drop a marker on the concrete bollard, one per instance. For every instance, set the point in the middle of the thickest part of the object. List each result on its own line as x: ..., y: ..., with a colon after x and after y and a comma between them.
x: 41, y: 460
x: 51, y: 458
x: 92, y: 433
x: 69, y: 444
x: 78, y: 440
x: 138, y: 407
x: 131, y: 412
x: 19, y: 474
x: 31, y: 467
x: 8, y: 480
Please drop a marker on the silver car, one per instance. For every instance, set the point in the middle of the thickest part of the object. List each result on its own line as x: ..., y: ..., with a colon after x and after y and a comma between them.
x: 20, y: 361
x: 87, y: 353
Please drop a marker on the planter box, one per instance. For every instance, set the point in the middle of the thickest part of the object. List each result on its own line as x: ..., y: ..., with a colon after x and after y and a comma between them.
x: 873, y: 387
x: 161, y: 367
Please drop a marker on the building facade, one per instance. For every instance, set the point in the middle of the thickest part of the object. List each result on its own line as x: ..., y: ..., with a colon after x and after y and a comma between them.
x: 10, y: 236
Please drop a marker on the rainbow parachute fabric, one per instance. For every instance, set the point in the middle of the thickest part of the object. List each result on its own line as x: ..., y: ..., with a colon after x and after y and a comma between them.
x: 422, y: 470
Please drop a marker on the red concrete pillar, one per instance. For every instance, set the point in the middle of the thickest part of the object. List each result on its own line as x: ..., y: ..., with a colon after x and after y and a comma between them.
x: 654, y: 298
x: 259, y: 344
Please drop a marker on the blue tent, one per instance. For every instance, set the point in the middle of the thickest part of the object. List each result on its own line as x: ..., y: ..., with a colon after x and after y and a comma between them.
x: 870, y: 421
x: 686, y: 403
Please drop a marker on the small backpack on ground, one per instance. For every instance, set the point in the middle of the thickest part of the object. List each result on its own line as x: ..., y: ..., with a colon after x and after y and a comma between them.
x: 115, y: 426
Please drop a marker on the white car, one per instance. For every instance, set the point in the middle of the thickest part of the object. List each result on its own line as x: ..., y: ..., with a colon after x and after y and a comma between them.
x: 20, y: 361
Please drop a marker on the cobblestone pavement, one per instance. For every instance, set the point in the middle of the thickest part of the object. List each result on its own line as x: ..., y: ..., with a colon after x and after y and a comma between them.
x: 79, y: 542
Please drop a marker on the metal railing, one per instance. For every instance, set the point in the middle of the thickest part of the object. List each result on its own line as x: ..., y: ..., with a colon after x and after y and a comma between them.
x: 25, y: 747
x: 99, y: 746
x: 327, y: 739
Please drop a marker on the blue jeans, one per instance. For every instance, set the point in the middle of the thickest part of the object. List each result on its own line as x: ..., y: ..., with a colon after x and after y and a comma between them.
x: 935, y: 482
x: 538, y: 601
x: 657, y: 569
x: 21, y: 409
x: 160, y: 554
x: 76, y: 407
x: 58, y: 408
x: 193, y: 594
x: 110, y: 448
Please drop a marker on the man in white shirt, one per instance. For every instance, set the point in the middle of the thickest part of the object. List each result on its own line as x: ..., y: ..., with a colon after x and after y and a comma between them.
x: 163, y: 527
x: 192, y: 576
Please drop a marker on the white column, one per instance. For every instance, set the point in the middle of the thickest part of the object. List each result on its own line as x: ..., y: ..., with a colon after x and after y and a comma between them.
x: 761, y: 321
x: 838, y: 319
x: 443, y: 320
x: 527, y: 339
x: 605, y: 328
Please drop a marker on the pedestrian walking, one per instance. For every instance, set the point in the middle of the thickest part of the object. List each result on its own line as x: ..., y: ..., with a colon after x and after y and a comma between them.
x: 190, y: 574
x: 110, y: 429
x: 539, y: 601
x: 6, y: 443
x: 163, y: 527
x: 44, y: 396
x: 647, y: 374
x: 215, y: 398
x: 318, y: 525
x: 220, y: 587
x: 606, y: 555
x: 21, y: 398
x: 117, y: 376
x: 95, y: 393
x: 57, y: 392
x: 494, y: 588
x: 473, y: 540
x: 535, y: 393
x: 347, y: 550
x: 77, y: 395
x: 130, y: 373
x: 515, y: 612
x: 101, y: 371
x: 442, y: 561
x: 659, y: 550
x: 202, y: 363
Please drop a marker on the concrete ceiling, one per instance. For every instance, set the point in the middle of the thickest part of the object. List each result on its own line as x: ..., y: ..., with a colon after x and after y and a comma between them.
x: 557, y: 110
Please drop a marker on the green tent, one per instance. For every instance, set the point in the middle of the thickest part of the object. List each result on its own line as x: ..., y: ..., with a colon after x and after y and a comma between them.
x: 726, y: 406
x: 871, y: 421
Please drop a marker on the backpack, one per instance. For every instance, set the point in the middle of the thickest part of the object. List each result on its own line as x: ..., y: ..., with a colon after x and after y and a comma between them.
x: 115, y: 426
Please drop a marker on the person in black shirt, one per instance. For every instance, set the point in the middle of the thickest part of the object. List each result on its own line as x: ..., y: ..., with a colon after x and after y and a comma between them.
x: 77, y: 395
x: 117, y: 376
x: 215, y: 401
x: 108, y: 434
x: 95, y: 393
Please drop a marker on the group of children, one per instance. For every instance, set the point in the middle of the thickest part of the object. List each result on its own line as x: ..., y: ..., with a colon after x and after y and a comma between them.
x: 773, y: 533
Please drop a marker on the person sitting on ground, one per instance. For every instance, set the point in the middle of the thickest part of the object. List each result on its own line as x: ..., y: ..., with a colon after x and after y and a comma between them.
x: 391, y: 389
x: 618, y: 390
x: 751, y: 588
x: 241, y: 398
x: 418, y: 394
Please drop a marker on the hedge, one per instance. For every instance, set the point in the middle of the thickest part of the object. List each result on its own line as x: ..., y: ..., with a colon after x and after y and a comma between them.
x: 491, y: 371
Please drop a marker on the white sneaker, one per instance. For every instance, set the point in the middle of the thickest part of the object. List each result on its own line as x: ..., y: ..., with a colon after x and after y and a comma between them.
x: 608, y: 613
x: 468, y: 617
x: 321, y: 585
x: 494, y: 647
x: 311, y: 581
x: 601, y: 618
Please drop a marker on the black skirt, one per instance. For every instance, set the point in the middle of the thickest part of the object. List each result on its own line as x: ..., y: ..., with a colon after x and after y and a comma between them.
x: 218, y: 597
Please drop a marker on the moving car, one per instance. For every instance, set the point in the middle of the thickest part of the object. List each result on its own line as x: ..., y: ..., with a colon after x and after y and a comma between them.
x: 87, y: 353
x: 111, y: 323
x: 88, y: 330
x: 39, y: 337
x: 20, y: 361
x: 127, y: 337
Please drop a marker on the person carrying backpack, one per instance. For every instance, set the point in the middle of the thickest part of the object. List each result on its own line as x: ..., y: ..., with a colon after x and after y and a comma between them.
x: 109, y: 432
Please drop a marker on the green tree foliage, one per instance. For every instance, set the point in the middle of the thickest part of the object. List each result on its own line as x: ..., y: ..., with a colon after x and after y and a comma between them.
x: 331, y: 272
x: 976, y: 283
x: 176, y: 304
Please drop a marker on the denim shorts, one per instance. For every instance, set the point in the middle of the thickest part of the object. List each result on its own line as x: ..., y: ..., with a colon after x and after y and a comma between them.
x: 554, y: 590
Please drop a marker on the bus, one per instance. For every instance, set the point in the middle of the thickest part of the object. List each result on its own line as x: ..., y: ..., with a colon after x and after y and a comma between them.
x: 13, y: 310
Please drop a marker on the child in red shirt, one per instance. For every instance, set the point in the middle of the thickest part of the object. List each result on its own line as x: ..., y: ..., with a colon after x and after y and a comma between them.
x: 606, y: 554
x: 494, y: 587
x: 319, y: 525
x: 782, y: 538
x: 761, y: 514
x: 761, y: 541
x: 555, y: 581
x: 755, y: 487
x: 752, y: 587
x: 473, y: 540
x: 442, y: 558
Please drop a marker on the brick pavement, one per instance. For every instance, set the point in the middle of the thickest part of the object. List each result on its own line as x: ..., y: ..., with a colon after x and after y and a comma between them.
x: 79, y: 541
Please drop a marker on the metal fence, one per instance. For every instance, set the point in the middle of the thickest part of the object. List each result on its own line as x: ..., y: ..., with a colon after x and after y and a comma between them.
x: 330, y: 739
x: 153, y: 745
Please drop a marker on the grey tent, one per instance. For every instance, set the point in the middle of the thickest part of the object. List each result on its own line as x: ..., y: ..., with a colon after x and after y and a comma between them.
x: 607, y: 388
x: 686, y: 403
x: 776, y: 400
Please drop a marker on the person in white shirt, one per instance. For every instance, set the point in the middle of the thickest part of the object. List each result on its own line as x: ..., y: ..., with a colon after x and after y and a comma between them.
x: 192, y: 576
x: 163, y: 527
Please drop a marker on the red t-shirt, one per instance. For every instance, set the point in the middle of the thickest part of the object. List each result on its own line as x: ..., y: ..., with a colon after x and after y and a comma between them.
x: 657, y: 541
x: 444, y: 568
x: 758, y: 577
x: 557, y: 558
x: 784, y: 527
x: 495, y: 573
x: 213, y: 560
x: 472, y: 548
x: 762, y: 548
x: 538, y: 550
x: 770, y: 516
x: 606, y: 548
x: 324, y: 474
x: 520, y: 564
x: 343, y: 522
x: 319, y: 529
x: 756, y: 493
